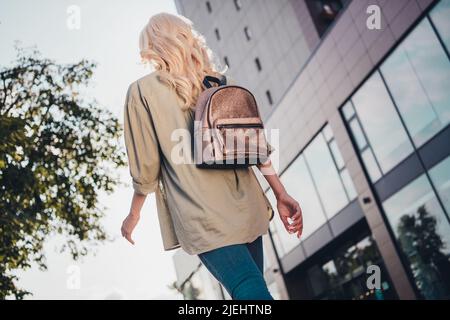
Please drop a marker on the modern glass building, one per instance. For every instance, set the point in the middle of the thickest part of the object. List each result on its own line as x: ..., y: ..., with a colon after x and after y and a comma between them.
x: 398, y: 120
x: 364, y: 145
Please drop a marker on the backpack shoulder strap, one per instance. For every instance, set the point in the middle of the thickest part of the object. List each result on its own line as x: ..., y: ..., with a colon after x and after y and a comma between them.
x: 221, y: 82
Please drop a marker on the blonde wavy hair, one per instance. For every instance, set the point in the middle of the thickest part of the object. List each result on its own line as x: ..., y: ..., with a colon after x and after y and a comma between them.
x: 173, y: 47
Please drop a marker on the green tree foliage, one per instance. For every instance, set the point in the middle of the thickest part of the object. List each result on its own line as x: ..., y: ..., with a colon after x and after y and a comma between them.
x: 57, y: 151
x: 426, y: 251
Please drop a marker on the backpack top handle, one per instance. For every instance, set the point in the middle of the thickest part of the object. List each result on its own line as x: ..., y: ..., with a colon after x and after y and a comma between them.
x: 221, y: 82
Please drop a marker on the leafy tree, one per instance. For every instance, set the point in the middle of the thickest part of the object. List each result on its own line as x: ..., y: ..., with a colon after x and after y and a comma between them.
x: 187, y: 288
x: 57, y: 151
x: 426, y: 252
x: 190, y: 292
x: 174, y: 286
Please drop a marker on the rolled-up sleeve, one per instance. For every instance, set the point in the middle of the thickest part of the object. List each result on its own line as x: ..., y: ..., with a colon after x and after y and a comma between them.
x: 141, y: 143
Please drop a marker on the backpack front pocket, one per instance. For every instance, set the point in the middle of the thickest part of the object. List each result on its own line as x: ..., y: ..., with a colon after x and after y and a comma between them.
x: 242, y: 141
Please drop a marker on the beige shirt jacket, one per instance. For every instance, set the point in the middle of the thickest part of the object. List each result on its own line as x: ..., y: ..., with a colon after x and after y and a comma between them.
x: 198, y: 209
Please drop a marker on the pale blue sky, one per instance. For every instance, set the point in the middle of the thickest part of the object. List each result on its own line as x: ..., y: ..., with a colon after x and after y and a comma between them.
x: 109, y: 35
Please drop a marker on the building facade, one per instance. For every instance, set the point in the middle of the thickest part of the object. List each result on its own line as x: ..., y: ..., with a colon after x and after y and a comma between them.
x: 359, y: 92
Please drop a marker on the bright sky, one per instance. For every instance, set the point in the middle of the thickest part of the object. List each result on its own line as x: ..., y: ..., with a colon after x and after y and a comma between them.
x: 108, y: 34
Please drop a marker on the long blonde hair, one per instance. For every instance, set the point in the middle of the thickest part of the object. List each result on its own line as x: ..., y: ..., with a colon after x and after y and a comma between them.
x: 171, y: 45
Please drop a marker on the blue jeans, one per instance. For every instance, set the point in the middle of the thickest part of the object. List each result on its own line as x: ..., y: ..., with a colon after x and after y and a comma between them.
x: 239, y: 268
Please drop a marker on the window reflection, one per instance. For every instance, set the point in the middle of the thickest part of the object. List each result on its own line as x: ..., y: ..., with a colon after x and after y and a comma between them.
x: 348, y: 184
x: 323, y: 12
x: 343, y: 275
x: 371, y: 165
x: 358, y: 134
x: 275, y: 230
x: 418, y: 75
x: 275, y: 290
x: 381, y: 123
x: 326, y: 177
x: 348, y: 110
x: 440, y: 176
x: 367, y: 251
x: 336, y: 154
x: 268, y: 262
x: 423, y: 232
x: 440, y: 17
x: 347, y: 262
x: 321, y: 183
x: 201, y: 286
x: 301, y: 186
x: 407, y: 102
x: 327, y: 133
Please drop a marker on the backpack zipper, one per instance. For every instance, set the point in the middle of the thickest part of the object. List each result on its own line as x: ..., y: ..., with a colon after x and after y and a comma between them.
x: 239, y: 125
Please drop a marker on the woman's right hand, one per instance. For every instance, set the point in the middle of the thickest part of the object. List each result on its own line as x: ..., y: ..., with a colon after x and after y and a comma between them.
x: 128, y: 226
x: 132, y: 219
x: 289, y: 209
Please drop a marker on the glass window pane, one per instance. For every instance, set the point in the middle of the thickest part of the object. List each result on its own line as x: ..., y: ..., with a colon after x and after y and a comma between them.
x: 371, y: 165
x: 299, y: 184
x: 358, y: 134
x: 343, y: 275
x: 347, y: 262
x: 348, y: 110
x: 440, y: 17
x: 325, y: 176
x: 202, y: 286
x: 418, y: 76
x: 272, y: 225
x: 269, y: 260
x: 318, y: 280
x: 368, y: 251
x: 423, y: 233
x: 381, y: 123
x: 327, y: 133
x: 336, y: 154
x: 440, y: 175
x: 348, y: 183
x: 277, y: 241
x: 275, y: 290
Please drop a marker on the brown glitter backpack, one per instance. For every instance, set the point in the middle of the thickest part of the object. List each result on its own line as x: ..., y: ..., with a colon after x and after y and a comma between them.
x: 228, y: 130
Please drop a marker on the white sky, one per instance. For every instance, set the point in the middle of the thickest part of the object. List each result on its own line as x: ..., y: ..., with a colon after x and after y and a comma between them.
x: 109, y: 35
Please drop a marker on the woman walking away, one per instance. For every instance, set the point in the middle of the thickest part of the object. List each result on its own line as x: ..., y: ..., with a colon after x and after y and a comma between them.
x: 218, y: 214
